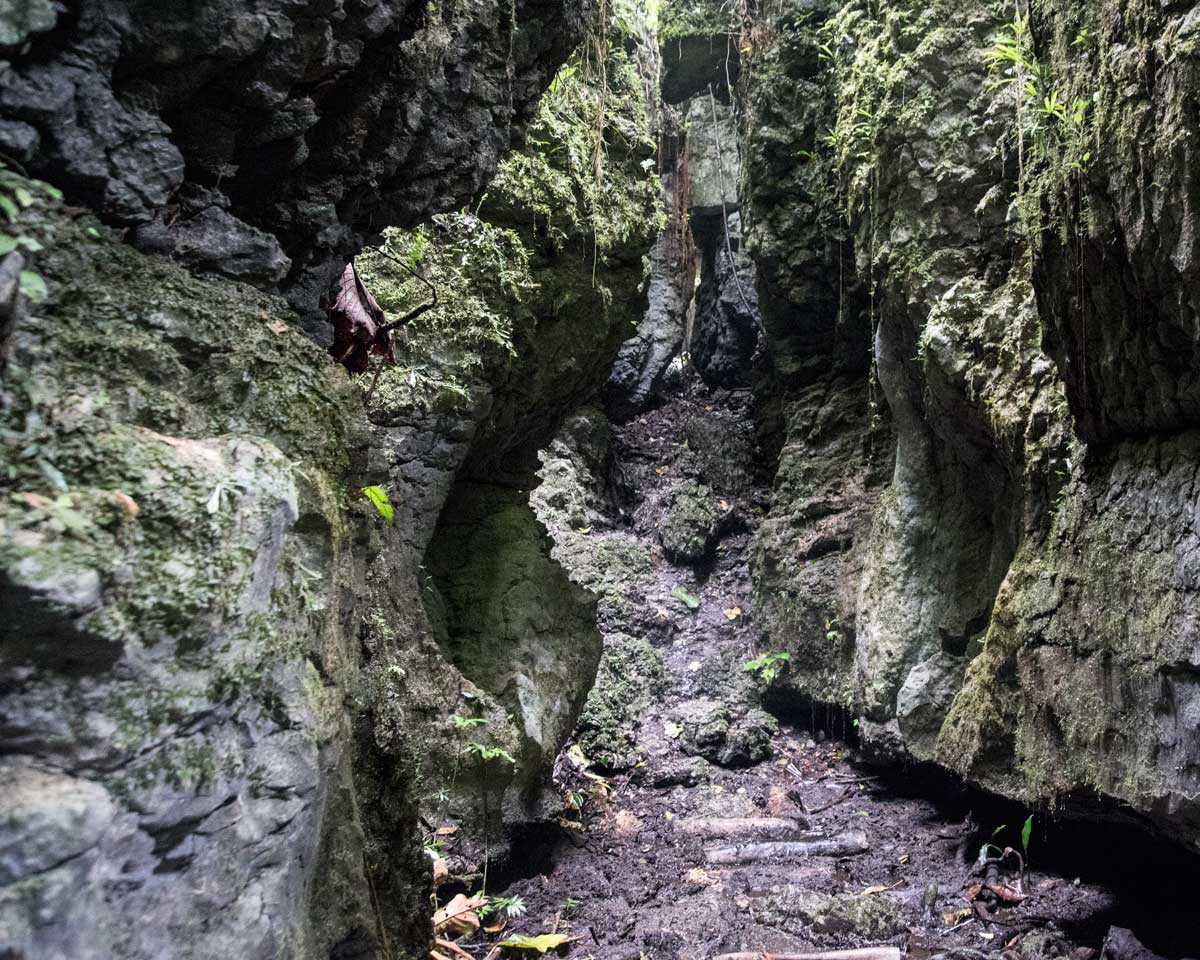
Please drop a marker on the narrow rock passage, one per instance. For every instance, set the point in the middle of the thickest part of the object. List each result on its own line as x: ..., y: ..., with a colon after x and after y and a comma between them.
x: 694, y: 824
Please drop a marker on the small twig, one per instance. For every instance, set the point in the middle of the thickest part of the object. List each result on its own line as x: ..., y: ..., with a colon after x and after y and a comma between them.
x: 383, y: 933
x: 474, y: 908
x: 416, y: 311
x: 374, y: 382
x: 846, y: 794
x: 453, y: 948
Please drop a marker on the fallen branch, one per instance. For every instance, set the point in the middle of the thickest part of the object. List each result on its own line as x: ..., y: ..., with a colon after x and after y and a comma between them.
x: 453, y: 948
x: 846, y: 794
x: 867, y: 953
x: 415, y: 311
x: 766, y: 828
x: 842, y: 845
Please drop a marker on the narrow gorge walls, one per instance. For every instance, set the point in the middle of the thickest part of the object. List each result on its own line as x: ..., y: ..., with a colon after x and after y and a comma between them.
x: 981, y: 534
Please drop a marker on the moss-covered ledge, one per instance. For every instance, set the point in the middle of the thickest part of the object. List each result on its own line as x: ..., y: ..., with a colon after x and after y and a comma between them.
x: 177, y: 519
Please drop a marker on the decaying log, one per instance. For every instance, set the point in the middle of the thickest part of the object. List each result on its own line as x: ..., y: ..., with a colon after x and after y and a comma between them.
x: 842, y: 845
x: 765, y: 828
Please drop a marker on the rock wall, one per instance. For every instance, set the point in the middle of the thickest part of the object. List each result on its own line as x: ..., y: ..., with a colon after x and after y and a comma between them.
x: 266, y: 141
x: 229, y: 689
x: 982, y: 541
x: 179, y: 548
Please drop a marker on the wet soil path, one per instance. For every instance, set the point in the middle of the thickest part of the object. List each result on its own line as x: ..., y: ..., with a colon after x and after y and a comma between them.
x: 727, y: 832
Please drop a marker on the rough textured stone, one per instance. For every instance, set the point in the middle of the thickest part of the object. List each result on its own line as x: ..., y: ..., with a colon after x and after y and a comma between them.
x: 513, y: 622
x: 1013, y: 602
x: 723, y: 734
x: 171, y: 724
x: 712, y: 148
x: 1119, y: 301
x: 640, y: 374
x: 727, y: 319
x: 831, y: 918
x: 318, y: 123
x: 690, y: 524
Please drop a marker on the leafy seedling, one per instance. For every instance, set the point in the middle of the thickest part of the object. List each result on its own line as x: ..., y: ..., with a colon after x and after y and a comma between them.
x: 541, y: 943
x: 378, y: 496
x: 768, y: 666
x: 686, y: 597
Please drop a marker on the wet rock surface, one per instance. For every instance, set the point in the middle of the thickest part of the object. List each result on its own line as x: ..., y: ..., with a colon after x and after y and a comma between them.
x: 314, y: 124
x: 166, y: 754
x: 927, y: 522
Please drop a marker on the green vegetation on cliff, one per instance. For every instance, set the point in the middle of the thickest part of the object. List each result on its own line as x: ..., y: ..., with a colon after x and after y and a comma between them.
x: 562, y: 222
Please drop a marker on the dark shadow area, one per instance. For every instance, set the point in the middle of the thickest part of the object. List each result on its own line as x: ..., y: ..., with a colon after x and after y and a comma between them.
x: 1154, y: 882
x: 532, y: 850
x: 824, y: 721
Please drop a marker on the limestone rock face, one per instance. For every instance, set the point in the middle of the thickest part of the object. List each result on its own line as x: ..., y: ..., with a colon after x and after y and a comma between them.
x: 303, y: 125
x: 712, y: 156
x: 728, y: 322
x: 984, y: 544
x: 228, y: 672
x: 175, y: 747
x: 640, y: 373
x: 514, y: 624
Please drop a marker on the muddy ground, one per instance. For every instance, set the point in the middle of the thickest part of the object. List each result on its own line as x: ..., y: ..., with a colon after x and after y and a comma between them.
x: 677, y: 768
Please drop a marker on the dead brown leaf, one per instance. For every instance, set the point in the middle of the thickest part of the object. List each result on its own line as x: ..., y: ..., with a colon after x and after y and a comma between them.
x: 127, y: 503
x: 459, y: 916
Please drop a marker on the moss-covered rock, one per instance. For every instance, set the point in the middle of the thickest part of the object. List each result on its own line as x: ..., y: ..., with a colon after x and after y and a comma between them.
x: 513, y: 622
x: 691, y: 522
x: 831, y: 918
x: 176, y: 531
x: 1012, y: 607
x: 724, y: 732
x: 630, y: 680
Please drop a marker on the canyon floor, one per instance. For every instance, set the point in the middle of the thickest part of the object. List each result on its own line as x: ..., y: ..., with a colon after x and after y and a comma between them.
x: 668, y: 858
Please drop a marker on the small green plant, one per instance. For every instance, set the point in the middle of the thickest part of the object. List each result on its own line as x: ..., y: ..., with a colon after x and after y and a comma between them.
x: 435, y: 846
x: 833, y: 630
x: 1043, y: 119
x: 575, y: 799
x: 1026, y: 836
x: 466, y: 723
x: 768, y: 666
x: 16, y: 194
x: 484, y: 752
x: 513, y: 907
x: 378, y: 496
x: 686, y: 597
